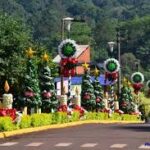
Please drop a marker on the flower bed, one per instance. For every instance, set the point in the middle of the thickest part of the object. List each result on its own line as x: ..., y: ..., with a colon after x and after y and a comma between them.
x: 37, y: 120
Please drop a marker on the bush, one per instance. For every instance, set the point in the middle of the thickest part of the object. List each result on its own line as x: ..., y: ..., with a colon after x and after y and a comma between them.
x: 127, y: 117
x: 145, y: 110
x: 75, y: 116
x: 102, y: 116
x: 91, y: 116
x: 116, y: 116
x: 60, y: 117
x: 6, y: 124
x: 41, y: 119
x: 25, y: 122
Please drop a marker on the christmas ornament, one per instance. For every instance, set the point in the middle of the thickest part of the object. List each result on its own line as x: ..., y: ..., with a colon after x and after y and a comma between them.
x: 67, y: 48
x: 85, y: 66
x: 96, y: 72
x: 29, y: 94
x: 111, y: 65
x: 111, y: 76
x: 46, y: 94
x: 68, y: 66
x: 30, y: 53
x: 137, y: 79
x: 45, y: 57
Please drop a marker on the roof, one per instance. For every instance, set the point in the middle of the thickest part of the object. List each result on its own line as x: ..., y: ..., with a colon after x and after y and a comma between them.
x: 80, y: 50
x: 76, y: 80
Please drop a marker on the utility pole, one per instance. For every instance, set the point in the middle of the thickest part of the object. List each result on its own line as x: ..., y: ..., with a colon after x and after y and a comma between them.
x: 119, y: 54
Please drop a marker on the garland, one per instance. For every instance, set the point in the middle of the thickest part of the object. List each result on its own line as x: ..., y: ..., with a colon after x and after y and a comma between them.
x: 137, y: 78
x: 111, y: 65
x: 67, y: 48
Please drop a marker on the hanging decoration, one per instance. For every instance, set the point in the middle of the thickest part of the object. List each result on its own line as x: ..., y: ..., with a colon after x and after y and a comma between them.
x: 111, y: 67
x: 137, y: 80
x: 148, y: 86
x: 68, y: 66
x: 67, y: 48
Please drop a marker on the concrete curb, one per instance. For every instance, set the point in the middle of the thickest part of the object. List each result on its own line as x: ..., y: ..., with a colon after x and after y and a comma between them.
x: 56, y: 126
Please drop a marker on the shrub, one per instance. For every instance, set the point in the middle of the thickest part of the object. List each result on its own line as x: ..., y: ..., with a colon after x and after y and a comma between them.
x: 102, y: 116
x: 75, y: 116
x: 41, y: 119
x: 25, y: 122
x: 127, y: 117
x: 116, y: 116
x: 91, y: 116
x: 60, y: 117
x: 6, y: 124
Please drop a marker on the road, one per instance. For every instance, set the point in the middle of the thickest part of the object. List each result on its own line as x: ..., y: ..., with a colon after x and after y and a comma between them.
x: 83, y: 137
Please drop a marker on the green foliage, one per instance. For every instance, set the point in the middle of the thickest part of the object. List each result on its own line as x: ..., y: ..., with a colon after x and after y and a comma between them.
x: 127, y: 117
x: 88, y: 100
x: 102, y: 116
x: 25, y: 122
x: 41, y: 119
x: 91, y: 116
x: 6, y: 124
x: 145, y: 110
x: 60, y: 117
x: 75, y: 116
x: 47, y: 87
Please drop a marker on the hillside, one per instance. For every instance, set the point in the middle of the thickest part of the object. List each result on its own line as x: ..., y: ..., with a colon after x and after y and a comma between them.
x: 43, y: 18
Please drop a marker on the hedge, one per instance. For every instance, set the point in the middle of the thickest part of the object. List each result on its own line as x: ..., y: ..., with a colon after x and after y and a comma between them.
x: 43, y: 119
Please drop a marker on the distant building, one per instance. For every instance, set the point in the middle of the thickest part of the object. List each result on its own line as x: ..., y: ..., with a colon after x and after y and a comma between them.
x: 83, y: 55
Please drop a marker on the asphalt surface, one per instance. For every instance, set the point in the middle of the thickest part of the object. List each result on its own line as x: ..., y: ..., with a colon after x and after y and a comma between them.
x: 84, y: 137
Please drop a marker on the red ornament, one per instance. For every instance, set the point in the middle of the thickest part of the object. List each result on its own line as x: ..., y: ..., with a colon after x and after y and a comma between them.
x: 98, y: 100
x: 29, y: 94
x: 137, y: 87
x: 86, y: 96
x: 62, y: 108
x: 111, y: 76
x: 46, y: 94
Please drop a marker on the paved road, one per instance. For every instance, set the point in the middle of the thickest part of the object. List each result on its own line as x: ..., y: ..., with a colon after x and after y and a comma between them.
x: 84, y: 137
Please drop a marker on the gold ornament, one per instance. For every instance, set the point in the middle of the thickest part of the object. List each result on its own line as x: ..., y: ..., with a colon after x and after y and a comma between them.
x: 45, y: 57
x: 6, y: 86
x: 30, y: 52
x: 96, y: 72
x: 85, y: 66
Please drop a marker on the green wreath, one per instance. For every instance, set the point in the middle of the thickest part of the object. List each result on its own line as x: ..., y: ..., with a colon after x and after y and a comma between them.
x: 67, y: 48
x: 111, y: 65
x: 137, y: 77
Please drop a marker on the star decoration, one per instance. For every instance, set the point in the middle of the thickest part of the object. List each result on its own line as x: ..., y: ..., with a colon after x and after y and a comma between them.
x: 30, y: 52
x: 96, y: 72
x: 85, y: 66
x: 45, y: 57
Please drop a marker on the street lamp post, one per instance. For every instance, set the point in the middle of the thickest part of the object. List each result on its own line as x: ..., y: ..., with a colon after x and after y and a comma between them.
x: 68, y: 21
x: 118, y: 50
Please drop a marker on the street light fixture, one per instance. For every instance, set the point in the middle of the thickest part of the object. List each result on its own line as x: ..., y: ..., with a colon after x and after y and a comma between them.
x: 111, y: 46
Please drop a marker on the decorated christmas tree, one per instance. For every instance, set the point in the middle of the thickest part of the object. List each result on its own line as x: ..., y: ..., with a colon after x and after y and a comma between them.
x: 31, y: 92
x: 98, y: 91
x: 126, y: 100
x: 47, y: 86
x: 88, y: 100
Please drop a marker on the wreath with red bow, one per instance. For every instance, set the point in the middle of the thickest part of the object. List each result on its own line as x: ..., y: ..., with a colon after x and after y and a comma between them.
x: 137, y: 79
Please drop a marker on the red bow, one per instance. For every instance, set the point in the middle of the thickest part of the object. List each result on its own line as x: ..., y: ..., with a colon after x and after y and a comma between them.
x: 137, y: 87
x: 111, y: 76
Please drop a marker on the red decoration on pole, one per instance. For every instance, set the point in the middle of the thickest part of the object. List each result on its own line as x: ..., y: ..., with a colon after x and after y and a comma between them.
x: 111, y: 76
x: 137, y: 87
x: 68, y: 65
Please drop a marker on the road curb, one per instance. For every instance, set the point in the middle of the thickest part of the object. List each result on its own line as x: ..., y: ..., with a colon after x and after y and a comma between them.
x: 70, y: 124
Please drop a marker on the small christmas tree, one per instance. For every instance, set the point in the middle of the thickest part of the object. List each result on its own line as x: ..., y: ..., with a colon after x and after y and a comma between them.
x: 87, y: 93
x: 47, y: 86
x: 31, y: 92
x: 98, y: 92
x: 126, y: 100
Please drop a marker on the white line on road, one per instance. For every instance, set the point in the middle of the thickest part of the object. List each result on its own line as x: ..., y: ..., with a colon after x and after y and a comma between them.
x: 9, y: 144
x: 144, y: 147
x: 118, y: 145
x: 34, y: 144
x: 63, y: 144
x: 89, y: 145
